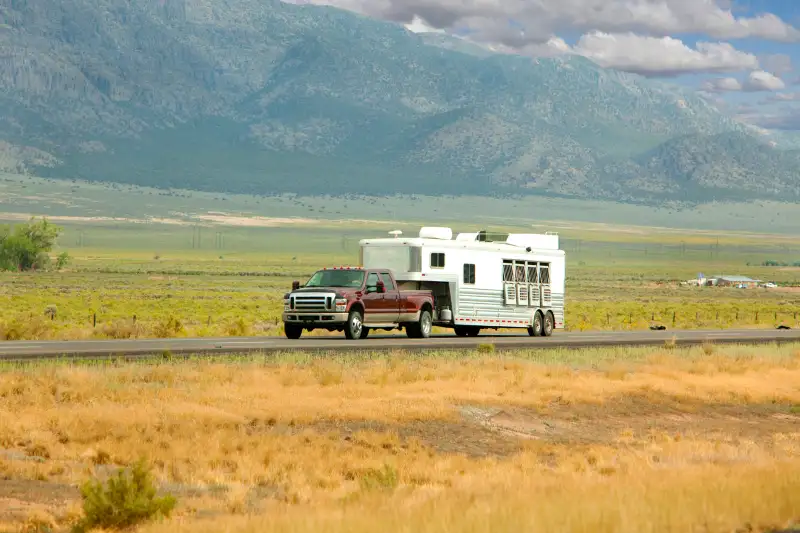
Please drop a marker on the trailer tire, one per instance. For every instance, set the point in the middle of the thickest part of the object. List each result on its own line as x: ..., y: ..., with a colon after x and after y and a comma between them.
x: 422, y: 328
x: 474, y: 331
x: 549, y: 324
x: 536, y: 329
x: 461, y: 331
x: 292, y: 331
x: 354, y: 329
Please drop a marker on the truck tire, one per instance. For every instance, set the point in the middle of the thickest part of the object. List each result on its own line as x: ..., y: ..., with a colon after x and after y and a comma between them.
x: 536, y: 329
x: 354, y: 329
x: 422, y: 328
x: 549, y: 324
x: 292, y: 331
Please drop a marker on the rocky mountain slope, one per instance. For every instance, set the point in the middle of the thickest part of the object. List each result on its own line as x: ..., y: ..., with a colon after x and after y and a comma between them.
x: 264, y: 97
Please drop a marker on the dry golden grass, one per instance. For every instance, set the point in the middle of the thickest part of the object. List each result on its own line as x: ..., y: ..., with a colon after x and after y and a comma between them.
x: 609, y: 440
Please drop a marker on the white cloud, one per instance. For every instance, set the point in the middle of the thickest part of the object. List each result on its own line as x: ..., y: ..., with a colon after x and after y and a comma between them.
x: 721, y: 85
x: 756, y: 81
x: 540, y: 20
x: 762, y: 81
x: 665, y: 56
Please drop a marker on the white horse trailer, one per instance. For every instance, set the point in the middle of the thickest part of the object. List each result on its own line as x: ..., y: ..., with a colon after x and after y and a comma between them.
x: 479, y: 280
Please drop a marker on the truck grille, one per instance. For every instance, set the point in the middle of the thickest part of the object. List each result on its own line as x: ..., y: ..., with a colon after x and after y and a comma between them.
x: 315, y: 302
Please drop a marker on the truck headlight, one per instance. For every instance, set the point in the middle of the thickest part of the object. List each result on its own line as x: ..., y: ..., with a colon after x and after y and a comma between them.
x: 341, y: 305
x: 286, y: 304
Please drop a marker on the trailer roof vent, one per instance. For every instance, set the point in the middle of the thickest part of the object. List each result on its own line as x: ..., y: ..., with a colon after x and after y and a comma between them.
x: 395, y: 233
x: 444, y: 234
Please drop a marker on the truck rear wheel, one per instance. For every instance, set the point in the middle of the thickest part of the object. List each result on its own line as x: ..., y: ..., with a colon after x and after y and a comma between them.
x: 421, y: 329
x: 354, y: 329
x: 549, y: 324
x: 292, y: 331
x: 536, y: 329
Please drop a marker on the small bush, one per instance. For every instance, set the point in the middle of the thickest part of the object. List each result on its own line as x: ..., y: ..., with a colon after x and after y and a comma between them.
x: 383, y: 479
x: 126, y: 501
x: 485, y: 348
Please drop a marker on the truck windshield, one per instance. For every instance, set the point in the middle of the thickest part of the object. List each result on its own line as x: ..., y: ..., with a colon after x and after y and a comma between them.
x: 337, y: 278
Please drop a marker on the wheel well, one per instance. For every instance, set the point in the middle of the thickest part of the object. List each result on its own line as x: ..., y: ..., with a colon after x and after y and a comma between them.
x: 357, y: 307
x: 427, y: 307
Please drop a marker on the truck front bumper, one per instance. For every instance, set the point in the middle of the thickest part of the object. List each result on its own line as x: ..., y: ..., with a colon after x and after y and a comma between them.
x: 316, y: 319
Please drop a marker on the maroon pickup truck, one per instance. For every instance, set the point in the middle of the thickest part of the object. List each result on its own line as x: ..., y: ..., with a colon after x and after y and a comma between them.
x: 356, y: 300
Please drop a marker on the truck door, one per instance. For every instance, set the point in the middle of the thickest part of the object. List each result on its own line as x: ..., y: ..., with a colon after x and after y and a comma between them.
x: 392, y: 303
x: 373, y: 300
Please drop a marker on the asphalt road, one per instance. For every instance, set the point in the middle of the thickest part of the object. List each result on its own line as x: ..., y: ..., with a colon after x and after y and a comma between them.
x: 31, y: 350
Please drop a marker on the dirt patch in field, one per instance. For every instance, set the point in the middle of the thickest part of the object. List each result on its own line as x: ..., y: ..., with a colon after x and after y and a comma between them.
x: 481, y: 431
x: 20, y: 498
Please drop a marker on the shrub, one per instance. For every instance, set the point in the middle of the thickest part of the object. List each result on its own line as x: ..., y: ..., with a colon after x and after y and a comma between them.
x: 384, y: 479
x: 26, y: 246
x: 126, y: 501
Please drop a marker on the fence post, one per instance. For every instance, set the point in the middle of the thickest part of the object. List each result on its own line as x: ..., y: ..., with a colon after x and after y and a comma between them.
x: 674, y: 314
x: 94, y: 320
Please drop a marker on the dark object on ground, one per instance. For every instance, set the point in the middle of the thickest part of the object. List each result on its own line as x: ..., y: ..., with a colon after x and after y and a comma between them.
x: 658, y: 328
x: 787, y: 327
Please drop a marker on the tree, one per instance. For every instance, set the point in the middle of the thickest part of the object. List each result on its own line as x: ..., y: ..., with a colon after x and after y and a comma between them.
x: 27, y: 246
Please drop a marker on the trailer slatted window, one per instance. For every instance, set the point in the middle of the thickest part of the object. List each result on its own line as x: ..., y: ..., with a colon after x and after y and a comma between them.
x: 520, y: 272
x: 545, y: 272
x: 469, y: 274
x: 508, y: 271
x: 437, y: 260
x: 533, y: 274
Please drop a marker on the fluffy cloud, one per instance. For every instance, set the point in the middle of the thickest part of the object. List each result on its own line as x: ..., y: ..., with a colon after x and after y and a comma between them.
x: 756, y: 81
x: 721, y: 85
x: 762, y: 81
x: 537, y: 21
x: 665, y: 56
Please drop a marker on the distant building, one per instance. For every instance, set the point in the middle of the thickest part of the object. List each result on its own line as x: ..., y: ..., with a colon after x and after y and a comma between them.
x: 736, y: 281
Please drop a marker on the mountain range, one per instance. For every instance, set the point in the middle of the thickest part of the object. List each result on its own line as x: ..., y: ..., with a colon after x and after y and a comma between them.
x: 266, y: 97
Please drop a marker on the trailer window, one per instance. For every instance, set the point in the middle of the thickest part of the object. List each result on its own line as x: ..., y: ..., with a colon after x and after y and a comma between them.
x: 437, y: 260
x: 508, y: 271
x: 533, y: 275
x: 544, y: 269
x: 469, y: 274
x: 519, y: 273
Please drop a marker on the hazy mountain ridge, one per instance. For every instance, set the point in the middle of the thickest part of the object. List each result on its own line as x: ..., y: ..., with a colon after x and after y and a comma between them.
x: 261, y: 96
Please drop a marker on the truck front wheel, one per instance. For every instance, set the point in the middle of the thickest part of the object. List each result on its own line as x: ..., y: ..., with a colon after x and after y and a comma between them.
x: 292, y: 331
x: 421, y: 329
x: 355, y: 326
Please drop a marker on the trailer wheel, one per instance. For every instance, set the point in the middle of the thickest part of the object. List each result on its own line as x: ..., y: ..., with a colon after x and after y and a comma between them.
x: 536, y: 329
x: 292, y: 331
x: 355, y: 325
x: 421, y: 329
x: 549, y: 324
x: 461, y: 331
x: 474, y: 331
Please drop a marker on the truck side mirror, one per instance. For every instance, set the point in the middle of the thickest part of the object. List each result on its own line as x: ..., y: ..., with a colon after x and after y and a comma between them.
x: 381, y: 287
x: 295, y: 285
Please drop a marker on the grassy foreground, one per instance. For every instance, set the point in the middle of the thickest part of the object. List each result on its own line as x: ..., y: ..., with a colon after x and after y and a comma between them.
x: 588, y: 441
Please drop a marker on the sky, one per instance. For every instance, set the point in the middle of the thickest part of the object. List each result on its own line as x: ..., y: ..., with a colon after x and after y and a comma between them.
x: 741, y: 55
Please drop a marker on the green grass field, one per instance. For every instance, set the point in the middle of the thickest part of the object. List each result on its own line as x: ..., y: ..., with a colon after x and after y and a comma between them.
x: 155, y: 280
x: 150, y: 263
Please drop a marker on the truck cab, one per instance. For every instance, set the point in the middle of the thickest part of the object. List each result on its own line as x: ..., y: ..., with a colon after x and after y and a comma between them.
x: 356, y: 300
